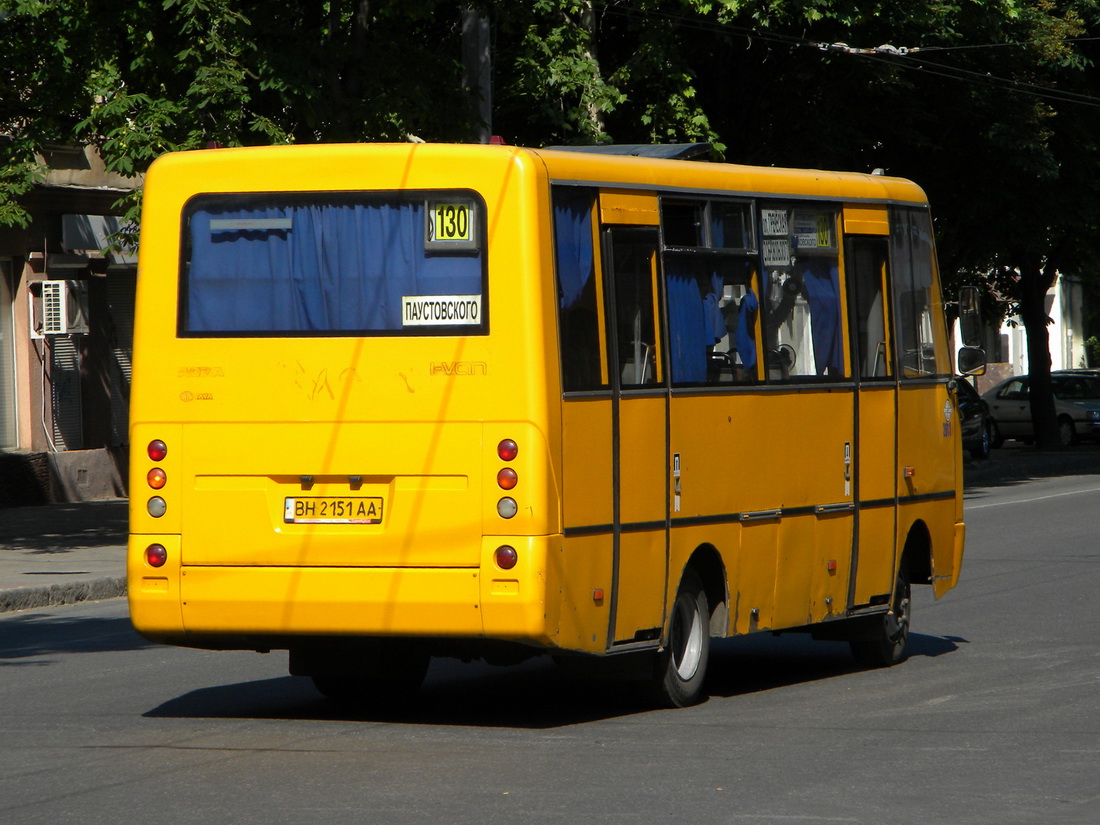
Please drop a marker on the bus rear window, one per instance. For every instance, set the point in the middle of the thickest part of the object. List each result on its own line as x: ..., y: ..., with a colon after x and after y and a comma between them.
x: 326, y: 265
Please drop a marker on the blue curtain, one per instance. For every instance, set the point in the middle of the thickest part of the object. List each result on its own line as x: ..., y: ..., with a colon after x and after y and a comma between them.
x: 319, y: 268
x: 695, y: 321
x: 744, y: 339
x: 573, y: 243
x: 820, y: 278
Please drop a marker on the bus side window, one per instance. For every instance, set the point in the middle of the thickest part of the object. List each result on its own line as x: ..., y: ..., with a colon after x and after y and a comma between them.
x: 920, y: 334
x: 803, y: 320
x: 578, y: 298
x: 712, y: 310
x: 631, y: 253
x: 866, y: 267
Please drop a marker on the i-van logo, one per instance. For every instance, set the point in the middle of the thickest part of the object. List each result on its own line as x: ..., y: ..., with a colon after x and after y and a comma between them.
x: 459, y: 368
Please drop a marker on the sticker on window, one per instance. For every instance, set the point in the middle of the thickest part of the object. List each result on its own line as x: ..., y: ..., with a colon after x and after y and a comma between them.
x: 250, y: 224
x: 774, y: 221
x: 813, y: 230
x: 440, y: 310
x: 450, y: 226
x: 777, y: 252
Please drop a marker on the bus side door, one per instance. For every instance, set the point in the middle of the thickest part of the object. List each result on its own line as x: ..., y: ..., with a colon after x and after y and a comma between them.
x: 875, y: 459
x: 639, y: 432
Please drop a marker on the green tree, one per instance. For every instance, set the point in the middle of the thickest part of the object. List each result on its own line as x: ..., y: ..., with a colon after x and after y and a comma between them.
x: 167, y: 75
x: 987, y: 103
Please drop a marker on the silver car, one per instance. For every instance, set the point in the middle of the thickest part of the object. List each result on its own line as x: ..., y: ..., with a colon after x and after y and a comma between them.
x: 1076, y: 404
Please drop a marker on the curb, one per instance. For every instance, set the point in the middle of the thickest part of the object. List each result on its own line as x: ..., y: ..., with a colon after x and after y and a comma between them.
x: 30, y: 598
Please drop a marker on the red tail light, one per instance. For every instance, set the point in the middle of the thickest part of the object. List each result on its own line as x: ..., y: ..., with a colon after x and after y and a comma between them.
x: 507, y: 449
x: 505, y: 557
x: 157, y: 450
x: 156, y: 555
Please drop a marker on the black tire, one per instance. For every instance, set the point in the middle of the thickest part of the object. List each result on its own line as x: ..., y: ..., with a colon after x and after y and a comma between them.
x: 981, y: 451
x: 1067, y: 433
x: 680, y: 668
x: 996, y: 440
x: 888, y: 643
x: 386, y: 674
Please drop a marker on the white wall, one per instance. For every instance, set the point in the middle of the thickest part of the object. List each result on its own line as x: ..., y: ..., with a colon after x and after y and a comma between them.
x: 1067, y: 344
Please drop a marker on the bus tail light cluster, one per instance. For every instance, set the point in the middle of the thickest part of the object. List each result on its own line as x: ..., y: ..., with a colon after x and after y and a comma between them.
x: 156, y: 478
x: 507, y: 478
x: 155, y: 554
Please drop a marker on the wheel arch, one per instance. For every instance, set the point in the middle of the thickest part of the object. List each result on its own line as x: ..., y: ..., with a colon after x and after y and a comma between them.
x: 707, y: 563
x: 917, y: 550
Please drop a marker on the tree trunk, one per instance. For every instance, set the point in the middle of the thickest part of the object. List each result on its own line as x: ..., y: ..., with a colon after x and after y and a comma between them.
x: 1035, y: 280
x: 588, y: 23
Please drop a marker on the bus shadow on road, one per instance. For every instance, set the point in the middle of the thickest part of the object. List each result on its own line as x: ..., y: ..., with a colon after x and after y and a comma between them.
x: 533, y: 695
x: 751, y: 664
x: 537, y: 694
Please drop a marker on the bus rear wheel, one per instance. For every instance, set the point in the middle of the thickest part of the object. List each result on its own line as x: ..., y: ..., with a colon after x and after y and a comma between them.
x: 888, y: 643
x: 386, y: 673
x: 680, y: 669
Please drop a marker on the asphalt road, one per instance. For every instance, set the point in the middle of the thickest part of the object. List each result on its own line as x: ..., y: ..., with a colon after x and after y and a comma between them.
x: 995, y: 718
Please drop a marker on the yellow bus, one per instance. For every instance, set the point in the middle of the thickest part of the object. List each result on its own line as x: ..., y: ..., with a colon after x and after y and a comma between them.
x: 392, y: 402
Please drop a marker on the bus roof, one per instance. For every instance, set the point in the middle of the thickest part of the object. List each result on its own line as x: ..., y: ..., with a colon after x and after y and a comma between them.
x: 627, y: 171
x: 563, y: 165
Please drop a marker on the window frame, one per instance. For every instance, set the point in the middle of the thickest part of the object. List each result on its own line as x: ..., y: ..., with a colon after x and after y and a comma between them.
x: 295, y: 199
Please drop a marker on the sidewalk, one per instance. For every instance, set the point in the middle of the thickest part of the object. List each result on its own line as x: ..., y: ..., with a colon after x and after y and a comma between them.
x: 62, y: 553
x: 65, y: 553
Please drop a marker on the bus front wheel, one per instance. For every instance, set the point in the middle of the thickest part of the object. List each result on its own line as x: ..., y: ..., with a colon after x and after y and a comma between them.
x: 887, y: 644
x: 680, y: 669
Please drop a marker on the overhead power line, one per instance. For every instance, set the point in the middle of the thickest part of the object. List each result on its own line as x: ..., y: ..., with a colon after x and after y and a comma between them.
x: 901, y: 57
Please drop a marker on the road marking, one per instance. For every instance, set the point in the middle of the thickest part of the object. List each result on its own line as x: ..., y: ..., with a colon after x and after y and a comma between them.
x: 1030, y: 500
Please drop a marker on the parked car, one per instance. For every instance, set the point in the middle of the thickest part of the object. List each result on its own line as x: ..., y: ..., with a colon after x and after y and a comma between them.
x: 1076, y: 404
x: 975, y: 422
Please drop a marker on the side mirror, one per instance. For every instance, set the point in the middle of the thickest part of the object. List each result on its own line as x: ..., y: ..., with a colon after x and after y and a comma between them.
x: 970, y: 319
x: 971, y: 361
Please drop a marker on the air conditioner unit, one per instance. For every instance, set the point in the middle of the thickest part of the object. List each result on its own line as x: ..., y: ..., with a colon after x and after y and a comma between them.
x: 58, y: 308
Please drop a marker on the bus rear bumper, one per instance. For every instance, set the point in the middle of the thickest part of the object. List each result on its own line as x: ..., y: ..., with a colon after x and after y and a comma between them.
x: 194, y: 604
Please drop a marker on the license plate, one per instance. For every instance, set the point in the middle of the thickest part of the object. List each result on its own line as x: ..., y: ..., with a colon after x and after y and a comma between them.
x: 333, y: 510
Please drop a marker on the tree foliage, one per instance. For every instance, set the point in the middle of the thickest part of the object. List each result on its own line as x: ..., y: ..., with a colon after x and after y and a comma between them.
x: 987, y: 103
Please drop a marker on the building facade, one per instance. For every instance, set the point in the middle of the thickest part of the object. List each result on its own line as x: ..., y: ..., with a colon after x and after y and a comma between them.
x: 1006, y: 347
x: 66, y: 329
